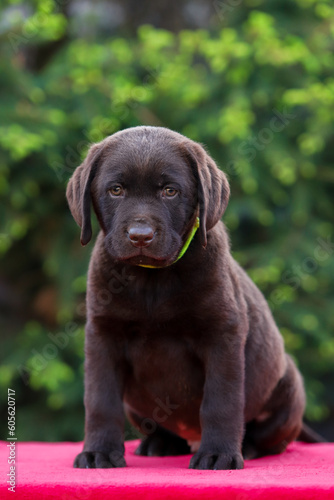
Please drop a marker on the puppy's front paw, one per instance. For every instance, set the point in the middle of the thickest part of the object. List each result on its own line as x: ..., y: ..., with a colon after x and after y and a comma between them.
x: 99, y: 460
x: 204, y: 459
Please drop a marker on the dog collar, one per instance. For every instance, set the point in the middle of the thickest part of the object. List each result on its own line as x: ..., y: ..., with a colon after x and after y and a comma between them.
x: 183, y: 249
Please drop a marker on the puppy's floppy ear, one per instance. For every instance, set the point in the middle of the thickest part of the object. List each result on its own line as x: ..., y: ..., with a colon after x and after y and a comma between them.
x: 213, y: 189
x: 78, y: 192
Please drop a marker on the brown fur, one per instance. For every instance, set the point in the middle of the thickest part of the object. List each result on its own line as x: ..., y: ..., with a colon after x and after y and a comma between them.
x: 190, y: 350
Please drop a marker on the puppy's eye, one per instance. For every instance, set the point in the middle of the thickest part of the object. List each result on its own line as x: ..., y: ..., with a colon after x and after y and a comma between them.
x: 116, y: 191
x: 169, y: 192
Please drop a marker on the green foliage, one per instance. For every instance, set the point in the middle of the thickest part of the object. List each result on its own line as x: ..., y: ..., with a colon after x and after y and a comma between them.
x: 258, y: 91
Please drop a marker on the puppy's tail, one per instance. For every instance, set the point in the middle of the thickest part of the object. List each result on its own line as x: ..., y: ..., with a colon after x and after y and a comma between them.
x: 310, y: 436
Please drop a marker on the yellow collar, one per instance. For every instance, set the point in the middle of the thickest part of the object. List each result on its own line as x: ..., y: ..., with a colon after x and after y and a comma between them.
x: 184, y: 248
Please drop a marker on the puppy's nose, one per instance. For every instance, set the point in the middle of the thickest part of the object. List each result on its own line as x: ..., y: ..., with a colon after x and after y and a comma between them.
x: 141, y: 235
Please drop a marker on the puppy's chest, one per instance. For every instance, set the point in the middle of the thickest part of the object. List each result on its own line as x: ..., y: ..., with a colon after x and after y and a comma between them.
x: 154, y: 299
x: 161, y: 363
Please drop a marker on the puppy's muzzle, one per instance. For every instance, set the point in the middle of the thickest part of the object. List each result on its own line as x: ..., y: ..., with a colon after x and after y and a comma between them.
x: 140, y: 234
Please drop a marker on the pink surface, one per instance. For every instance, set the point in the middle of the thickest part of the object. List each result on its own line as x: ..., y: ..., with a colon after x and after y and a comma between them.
x: 44, y: 470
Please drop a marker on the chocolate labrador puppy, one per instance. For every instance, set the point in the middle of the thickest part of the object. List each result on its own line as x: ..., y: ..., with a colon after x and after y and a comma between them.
x: 178, y: 337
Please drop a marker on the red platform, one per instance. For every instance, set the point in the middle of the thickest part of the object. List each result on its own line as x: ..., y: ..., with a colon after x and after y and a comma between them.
x: 44, y: 471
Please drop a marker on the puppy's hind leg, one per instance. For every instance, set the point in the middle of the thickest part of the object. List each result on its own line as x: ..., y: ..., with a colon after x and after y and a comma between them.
x: 280, y: 421
x: 158, y: 442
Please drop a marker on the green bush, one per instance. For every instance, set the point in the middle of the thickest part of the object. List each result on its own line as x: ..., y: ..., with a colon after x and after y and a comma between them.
x: 257, y: 90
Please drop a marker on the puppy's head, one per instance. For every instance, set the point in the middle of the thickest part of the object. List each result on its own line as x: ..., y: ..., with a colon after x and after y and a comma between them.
x: 147, y: 186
